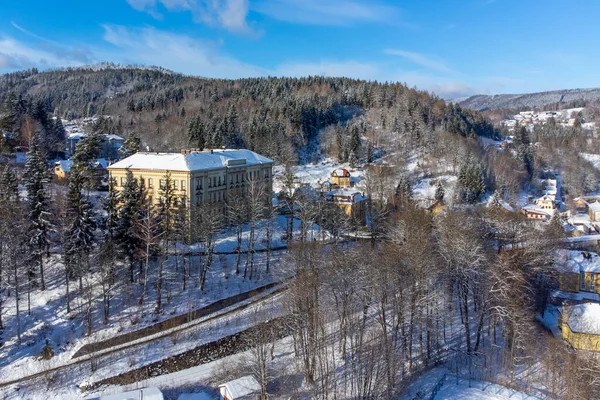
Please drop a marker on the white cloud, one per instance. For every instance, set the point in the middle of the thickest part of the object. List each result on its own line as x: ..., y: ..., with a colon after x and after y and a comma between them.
x: 328, y: 12
x: 19, y: 55
x: 179, y: 53
x: 229, y: 14
x: 423, y: 60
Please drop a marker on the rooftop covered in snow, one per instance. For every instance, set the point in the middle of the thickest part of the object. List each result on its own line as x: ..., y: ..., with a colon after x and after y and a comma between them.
x: 241, y: 388
x: 577, y: 261
x: 583, y: 318
x: 191, y: 161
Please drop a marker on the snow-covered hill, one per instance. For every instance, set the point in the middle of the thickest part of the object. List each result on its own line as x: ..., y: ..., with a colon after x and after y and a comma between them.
x: 527, y: 100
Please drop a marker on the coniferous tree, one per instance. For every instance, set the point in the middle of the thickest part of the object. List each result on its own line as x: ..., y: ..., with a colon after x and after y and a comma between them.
x: 340, y: 144
x: 10, y: 225
x: 111, y: 208
x: 472, y: 180
x: 439, y: 192
x: 129, y: 212
x: 79, y: 240
x: 40, y: 225
x: 167, y: 211
x: 131, y: 145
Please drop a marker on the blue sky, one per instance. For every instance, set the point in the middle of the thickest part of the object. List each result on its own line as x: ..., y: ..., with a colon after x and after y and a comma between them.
x: 451, y: 47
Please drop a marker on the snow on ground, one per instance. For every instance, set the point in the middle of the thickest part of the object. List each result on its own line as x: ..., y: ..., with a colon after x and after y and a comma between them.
x: 316, y: 172
x: 425, y: 188
x: 66, y: 332
x: 592, y: 158
x: 454, y: 388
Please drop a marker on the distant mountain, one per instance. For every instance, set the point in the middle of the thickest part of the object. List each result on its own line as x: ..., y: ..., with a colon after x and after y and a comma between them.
x: 528, y: 100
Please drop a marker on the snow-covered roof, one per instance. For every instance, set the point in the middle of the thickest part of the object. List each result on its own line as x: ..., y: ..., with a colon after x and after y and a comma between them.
x: 346, y: 195
x: 584, y: 318
x: 146, y: 394
x: 340, y: 172
x: 595, y: 207
x: 193, y: 161
x: 106, y: 136
x: 533, y: 208
x: 545, y: 197
x: 66, y: 165
x: 244, y: 386
x: 574, y: 261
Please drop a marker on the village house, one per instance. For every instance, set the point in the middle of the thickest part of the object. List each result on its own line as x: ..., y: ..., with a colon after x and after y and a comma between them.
x: 535, y: 212
x: 340, y: 177
x: 62, y: 169
x: 209, y: 176
x: 244, y: 388
x: 352, y: 202
x: 580, y: 326
x: 578, y: 275
x: 109, y: 144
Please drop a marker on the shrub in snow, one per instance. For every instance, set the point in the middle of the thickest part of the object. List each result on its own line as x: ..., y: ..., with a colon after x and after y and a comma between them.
x: 47, y: 352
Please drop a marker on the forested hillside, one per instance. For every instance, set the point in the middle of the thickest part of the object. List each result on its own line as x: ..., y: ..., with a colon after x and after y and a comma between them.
x: 278, y: 117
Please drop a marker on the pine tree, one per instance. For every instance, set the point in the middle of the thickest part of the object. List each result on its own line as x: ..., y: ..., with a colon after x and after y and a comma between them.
x: 369, y: 152
x: 129, y: 212
x: 355, y: 143
x: 131, y: 145
x: 494, y: 202
x: 111, y: 203
x: 472, y: 180
x: 79, y: 241
x: 439, y: 192
x: 167, y: 211
x: 353, y: 159
x: 340, y: 144
x: 40, y: 226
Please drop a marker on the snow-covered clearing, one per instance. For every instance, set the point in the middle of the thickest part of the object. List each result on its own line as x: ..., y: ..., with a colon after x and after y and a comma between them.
x: 451, y: 387
x: 313, y: 173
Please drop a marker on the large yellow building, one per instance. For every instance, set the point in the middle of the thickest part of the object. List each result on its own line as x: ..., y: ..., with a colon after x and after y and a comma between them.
x: 198, y: 176
x: 580, y: 326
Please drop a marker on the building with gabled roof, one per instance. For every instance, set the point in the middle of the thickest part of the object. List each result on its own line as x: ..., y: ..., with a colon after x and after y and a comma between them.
x: 244, y: 388
x: 340, y: 177
x: 351, y: 201
x: 580, y: 326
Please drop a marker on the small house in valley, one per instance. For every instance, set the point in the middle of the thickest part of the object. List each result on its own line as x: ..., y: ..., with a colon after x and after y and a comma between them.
x: 578, y: 274
x: 98, y: 169
x: 352, y: 202
x: 340, y: 177
x: 244, y: 388
x: 580, y: 326
x: 535, y: 212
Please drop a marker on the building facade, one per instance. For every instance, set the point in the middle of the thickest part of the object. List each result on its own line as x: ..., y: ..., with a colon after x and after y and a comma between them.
x: 210, y: 176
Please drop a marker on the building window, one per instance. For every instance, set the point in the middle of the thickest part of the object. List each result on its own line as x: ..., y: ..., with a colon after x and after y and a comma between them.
x: 162, y: 184
x: 582, y: 280
x: 150, y: 182
x: 198, y: 184
x: 176, y: 185
x: 122, y: 181
x: 182, y: 185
